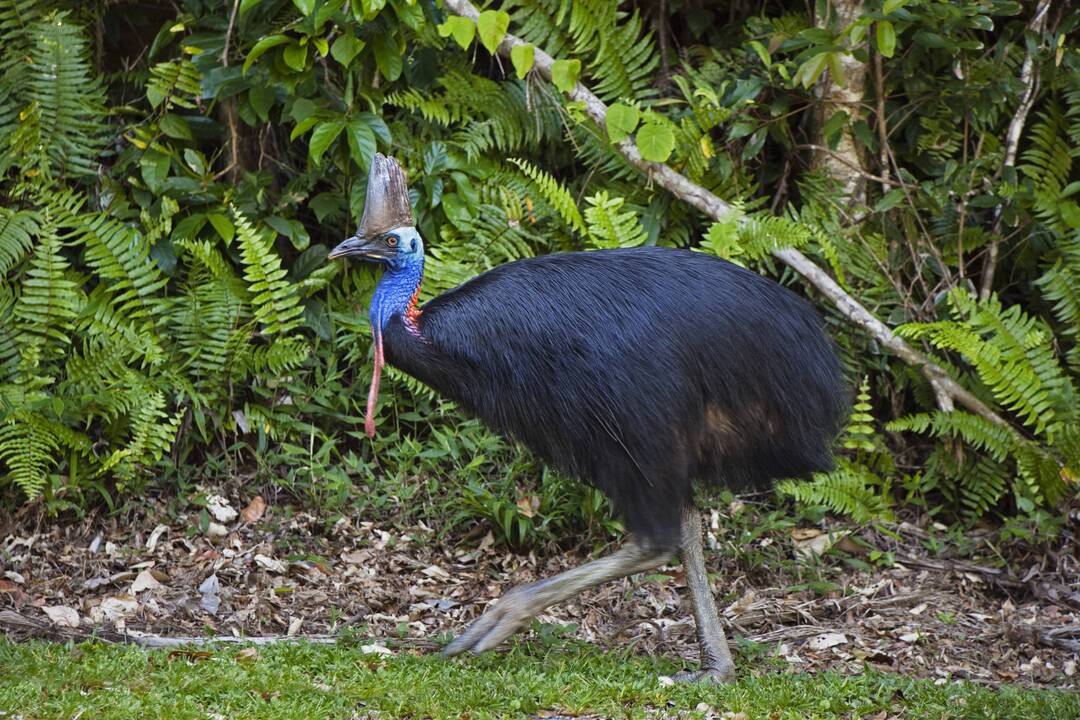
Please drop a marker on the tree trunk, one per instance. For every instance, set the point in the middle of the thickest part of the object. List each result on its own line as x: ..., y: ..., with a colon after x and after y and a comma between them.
x: 841, y: 94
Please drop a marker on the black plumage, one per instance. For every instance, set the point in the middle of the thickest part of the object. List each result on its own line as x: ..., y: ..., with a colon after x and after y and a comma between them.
x: 636, y: 370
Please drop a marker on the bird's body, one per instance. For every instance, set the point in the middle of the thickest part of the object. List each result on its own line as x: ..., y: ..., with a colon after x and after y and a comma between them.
x: 639, y: 371
x: 636, y: 370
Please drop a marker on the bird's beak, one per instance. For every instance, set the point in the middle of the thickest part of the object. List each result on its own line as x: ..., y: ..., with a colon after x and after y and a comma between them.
x: 358, y: 246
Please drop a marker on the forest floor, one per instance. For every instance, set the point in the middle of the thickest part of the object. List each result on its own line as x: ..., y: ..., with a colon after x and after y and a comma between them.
x: 883, y: 605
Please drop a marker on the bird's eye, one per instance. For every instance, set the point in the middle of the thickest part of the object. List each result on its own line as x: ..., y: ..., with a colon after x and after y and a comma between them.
x: 391, y: 241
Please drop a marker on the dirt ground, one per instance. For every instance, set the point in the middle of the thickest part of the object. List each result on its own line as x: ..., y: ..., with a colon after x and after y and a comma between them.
x: 258, y: 571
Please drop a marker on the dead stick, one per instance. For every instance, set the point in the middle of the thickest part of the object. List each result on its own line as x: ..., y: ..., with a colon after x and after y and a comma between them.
x: 721, y: 211
x: 1029, y: 76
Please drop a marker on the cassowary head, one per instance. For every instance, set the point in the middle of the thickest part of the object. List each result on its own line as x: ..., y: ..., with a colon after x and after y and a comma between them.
x: 386, y: 233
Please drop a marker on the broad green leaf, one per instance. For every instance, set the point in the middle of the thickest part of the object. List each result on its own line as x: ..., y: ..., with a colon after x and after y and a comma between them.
x: 886, y: 38
x: 321, y: 45
x: 361, y: 143
x: 346, y: 48
x: 155, y: 168
x: 839, y: 77
x: 655, y: 140
x: 324, y: 134
x: 462, y: 30
x: 176, y: 127
x: 304, y: 6
x: 372, y: 7
x: 303, y: 126
x: 890, y: 200
x: 262, y: 46
x: 295, y: 56
x: 378, y: 126
x: 564, y: 73
x: 491, y: 26
x: 620, y: 121
x: 809, y: 72
x: 195, y: 160
x: 223, y: 225
x: 858, y: 32
x: 890, y: 5
x: 762, y: 53
x: 387, y: 56
x: 246, y: 5
x: 831, y: 131
x: 522, y: 56
x: 261, y: 98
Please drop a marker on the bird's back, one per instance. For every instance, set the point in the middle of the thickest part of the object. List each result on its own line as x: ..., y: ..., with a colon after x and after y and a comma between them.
x: 638, y: 370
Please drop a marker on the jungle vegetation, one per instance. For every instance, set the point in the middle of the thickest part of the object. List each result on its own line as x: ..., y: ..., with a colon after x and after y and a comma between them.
x: 173, y: 174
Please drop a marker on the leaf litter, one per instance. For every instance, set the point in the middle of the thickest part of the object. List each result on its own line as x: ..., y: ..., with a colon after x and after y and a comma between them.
x: 277, y: 574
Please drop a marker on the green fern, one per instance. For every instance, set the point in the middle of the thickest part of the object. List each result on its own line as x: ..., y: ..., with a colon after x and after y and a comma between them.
x: 855, y: 488
x: 50, y: 299
x: 555, y: 193
x: 29, y: 449
x: 17, y: 231
x: 276, y: 303
x: 60, y: 130
x: 609, y: 226
x: 1011, y: 352
x: 176, y: 83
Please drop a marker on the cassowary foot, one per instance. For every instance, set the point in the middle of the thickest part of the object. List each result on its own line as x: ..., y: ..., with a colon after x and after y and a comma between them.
x: 497, y: 624
x: 707, y: 676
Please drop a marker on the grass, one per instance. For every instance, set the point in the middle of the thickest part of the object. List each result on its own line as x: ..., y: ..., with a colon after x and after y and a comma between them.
x: 40, y: 681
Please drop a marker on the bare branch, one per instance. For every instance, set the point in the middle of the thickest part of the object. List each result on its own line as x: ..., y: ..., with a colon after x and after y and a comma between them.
x: 721, y: 211
x: 1029, y: 76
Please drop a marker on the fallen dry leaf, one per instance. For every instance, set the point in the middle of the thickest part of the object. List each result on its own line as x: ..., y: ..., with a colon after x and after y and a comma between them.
x: 62, y: 615
x: 248, y: 654
x: 214, y: 529
x: 220, y: 508
x: 270, y: 564
x: 117, y: 607
x: 528, y: 505
x: 375, y: 650
x: 155, y: 535
x: 254, y: 510
x: 145, y: 580
x: 209, y: 589
x: 803, y: 534
x: 825, y: 641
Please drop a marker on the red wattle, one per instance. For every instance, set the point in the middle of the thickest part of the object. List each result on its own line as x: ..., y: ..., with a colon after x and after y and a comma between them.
x: 373, y: 392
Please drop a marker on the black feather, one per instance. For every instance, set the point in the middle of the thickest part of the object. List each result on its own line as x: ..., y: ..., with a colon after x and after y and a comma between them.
x: 638, y: 371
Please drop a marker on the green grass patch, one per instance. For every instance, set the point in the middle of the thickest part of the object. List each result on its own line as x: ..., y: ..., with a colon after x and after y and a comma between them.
x: 41, y: 681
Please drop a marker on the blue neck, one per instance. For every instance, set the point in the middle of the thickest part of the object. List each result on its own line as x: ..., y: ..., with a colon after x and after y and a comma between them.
x: 397, y: 290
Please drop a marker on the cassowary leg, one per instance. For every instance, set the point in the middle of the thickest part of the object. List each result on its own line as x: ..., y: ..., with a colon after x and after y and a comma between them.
x: 716, y: 663
x: 522, y: 603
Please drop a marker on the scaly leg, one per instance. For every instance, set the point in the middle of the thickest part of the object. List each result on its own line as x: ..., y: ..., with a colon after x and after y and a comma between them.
x: 522, y: 603
x: 716, y: 663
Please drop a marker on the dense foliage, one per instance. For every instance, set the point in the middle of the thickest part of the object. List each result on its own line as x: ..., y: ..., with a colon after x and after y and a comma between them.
x: 173, y: 174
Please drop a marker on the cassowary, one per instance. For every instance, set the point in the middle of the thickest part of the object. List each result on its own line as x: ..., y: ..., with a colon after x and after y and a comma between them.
x: 639, y: 371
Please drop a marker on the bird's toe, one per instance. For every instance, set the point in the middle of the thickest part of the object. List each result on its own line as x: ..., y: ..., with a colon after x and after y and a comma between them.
x: 706, y: 676
x: 491, y: 628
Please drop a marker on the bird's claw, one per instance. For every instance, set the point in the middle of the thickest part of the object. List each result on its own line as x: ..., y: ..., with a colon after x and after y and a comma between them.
x: 706, y: 676
x: 497, y: 624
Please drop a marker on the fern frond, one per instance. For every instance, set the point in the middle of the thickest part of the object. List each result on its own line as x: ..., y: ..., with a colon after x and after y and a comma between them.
x: 17, y: 231
x: 50, y: 300
x: 609, y: 226
x: 276, y: 303
x: 554, y: 192
x: 28, y: 448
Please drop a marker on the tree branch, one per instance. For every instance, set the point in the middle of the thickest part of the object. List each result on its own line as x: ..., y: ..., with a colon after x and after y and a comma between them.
x: 721, y: 211
x: 1029, y: 76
